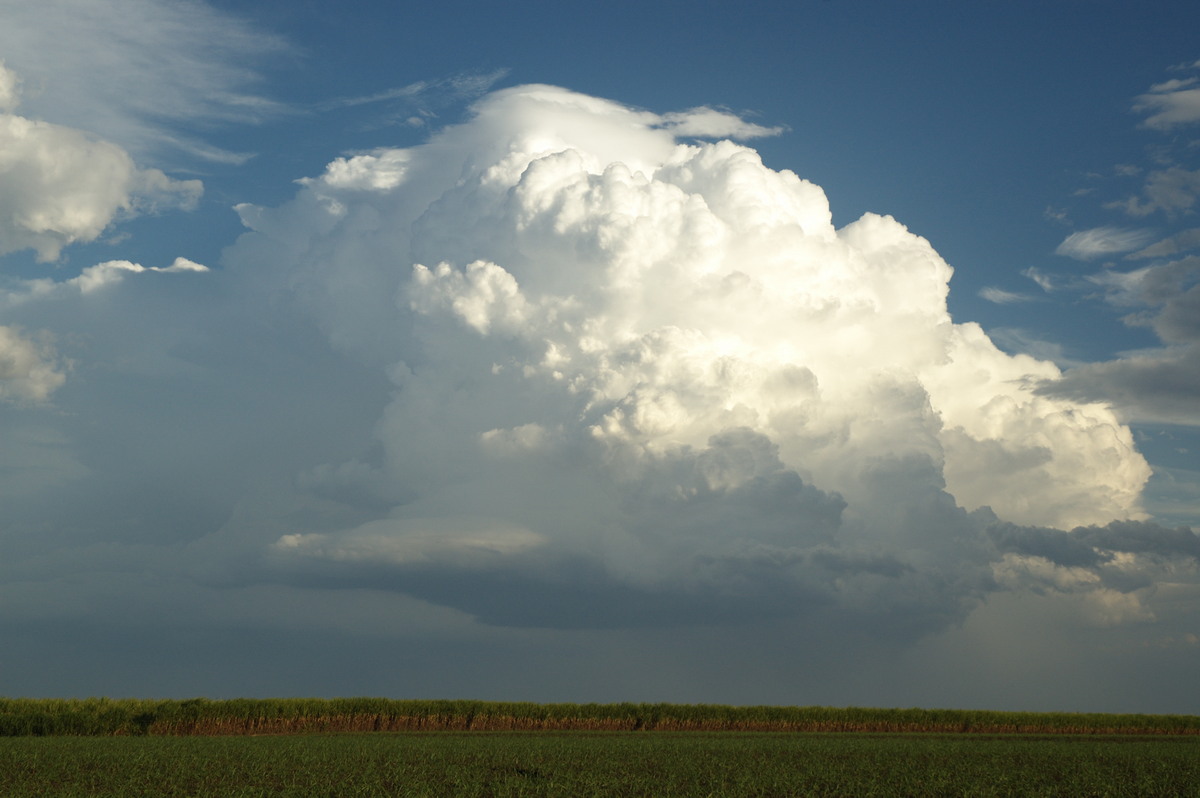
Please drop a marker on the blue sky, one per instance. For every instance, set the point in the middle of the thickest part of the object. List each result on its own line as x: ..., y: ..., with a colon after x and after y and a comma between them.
x: 575, y: 353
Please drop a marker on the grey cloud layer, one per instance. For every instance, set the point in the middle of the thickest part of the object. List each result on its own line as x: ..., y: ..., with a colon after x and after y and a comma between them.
x: 1160, y: 385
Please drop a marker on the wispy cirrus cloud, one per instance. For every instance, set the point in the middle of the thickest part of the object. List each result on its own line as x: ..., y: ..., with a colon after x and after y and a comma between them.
x: 146, y: 75
x: 1043, y: 280
x: 1102, y: 241
x: 999, y: 296
x: 460, y: 87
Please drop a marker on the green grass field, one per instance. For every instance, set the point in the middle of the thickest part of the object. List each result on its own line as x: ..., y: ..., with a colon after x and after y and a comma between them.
x: 601, y: 764
x: 369, y: 747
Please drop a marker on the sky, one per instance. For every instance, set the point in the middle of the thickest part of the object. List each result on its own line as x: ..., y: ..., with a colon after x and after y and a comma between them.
x: 838, y: 352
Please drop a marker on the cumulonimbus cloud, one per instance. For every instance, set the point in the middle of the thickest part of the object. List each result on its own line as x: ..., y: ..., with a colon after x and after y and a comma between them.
x: 633, y: 372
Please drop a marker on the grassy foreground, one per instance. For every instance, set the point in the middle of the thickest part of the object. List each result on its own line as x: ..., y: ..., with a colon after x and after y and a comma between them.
x: 581, y: 764
x: 101, y: 716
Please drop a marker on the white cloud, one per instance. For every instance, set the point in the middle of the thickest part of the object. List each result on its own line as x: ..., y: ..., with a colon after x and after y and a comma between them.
x: 30, y: 369
x: 662, y: 362
x: 1100, y: 241
x: 59, y: 186
x: 1170, y: 104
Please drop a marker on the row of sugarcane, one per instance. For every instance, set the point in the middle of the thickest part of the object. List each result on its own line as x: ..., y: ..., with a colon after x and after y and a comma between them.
x: 200, y: 716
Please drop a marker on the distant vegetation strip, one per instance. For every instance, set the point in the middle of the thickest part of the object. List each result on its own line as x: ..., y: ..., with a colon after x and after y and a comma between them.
x: 200, y: 716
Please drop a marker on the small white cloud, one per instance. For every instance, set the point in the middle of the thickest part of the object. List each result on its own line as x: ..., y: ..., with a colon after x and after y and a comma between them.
x: 102, y: 274
x: 30, y: 369
x: 1001, y: 297
x: 1101, y: 241
x: 1169, y: 105
x: 1056, y: 215
x: 182, y: 265
x: 59, y: 186
x: 525, y: 438
x: 1175, y: 84
x: 1043, y: 280
x: 375, y: 171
